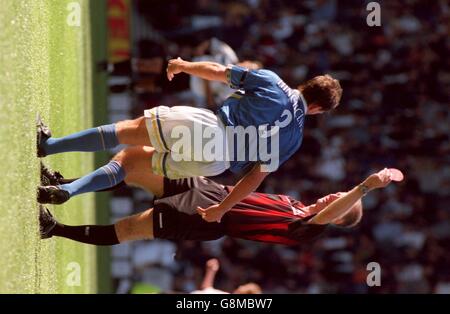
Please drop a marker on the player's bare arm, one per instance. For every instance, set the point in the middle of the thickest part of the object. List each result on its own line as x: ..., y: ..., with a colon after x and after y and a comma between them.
x: 212, y: 267
x: 341, y: 205
x: 210, y: 71
x: 248, y: 184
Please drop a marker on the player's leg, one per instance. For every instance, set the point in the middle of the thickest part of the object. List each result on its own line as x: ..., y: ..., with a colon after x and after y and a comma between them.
x: 131, y: 132
x: 136, y: 227
x: 137, y: 162
x: 132, y: 165
x: 50, y: 177
x: 104, y: 177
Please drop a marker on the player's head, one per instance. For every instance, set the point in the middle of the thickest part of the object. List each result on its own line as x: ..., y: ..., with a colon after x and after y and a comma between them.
x: 352, y: 217
x: 322, y: 93
x: 248, y: 288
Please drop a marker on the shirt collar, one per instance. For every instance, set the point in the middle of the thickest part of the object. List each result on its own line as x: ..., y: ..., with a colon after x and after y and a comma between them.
x: 305, y: 105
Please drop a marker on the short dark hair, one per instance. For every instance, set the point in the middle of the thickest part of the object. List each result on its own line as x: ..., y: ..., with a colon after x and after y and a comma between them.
x: 353, y: 217
x: 322, y: 90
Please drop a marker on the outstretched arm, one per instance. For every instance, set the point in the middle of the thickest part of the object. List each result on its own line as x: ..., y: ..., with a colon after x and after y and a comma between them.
x: 248, y: 184
x: 210, y: 71
x: 342, y: 205
x: 212, y: 266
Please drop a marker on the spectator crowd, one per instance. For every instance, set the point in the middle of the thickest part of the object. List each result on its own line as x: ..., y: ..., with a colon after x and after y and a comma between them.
x: 394, y: 112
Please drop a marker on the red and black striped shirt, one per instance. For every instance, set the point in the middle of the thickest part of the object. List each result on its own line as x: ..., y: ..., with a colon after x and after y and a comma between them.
x: 271, y: 218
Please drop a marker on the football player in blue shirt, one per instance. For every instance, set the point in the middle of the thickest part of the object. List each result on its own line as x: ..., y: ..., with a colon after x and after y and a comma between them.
x: 264, y: 110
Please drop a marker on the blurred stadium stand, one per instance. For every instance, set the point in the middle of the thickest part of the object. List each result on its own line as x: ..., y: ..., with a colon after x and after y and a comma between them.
x: 394, y: 112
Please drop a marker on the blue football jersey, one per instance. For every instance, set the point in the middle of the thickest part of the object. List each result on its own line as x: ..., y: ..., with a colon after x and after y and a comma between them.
x: 263, y: 101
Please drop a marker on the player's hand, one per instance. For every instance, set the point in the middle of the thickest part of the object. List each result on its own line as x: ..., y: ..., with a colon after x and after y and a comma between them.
x: 213, y: 264
x: 379, y: 179
x: 174, y: 67
x: 213, y: 213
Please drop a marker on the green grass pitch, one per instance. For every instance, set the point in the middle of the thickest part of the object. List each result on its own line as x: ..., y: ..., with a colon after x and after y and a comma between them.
x: 45, y: 67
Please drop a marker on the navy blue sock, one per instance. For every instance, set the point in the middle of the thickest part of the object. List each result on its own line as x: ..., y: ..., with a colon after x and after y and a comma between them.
x: 104, y: 177
x: 91, y: 140
x: 97, y: 235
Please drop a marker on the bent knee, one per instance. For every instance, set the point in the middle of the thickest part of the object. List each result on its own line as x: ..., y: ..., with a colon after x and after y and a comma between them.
x: 130, y: 124
x: 133, y: 157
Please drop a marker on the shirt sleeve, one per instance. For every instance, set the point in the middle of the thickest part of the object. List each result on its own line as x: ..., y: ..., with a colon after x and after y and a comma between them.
x: 301, y: 230
x: 250, y: 80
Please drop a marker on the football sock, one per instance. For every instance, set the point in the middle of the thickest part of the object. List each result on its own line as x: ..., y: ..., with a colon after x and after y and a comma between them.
x: 91, y: 140
x: 96, y: 235
x: 113, y: 188
x: 105, y: 177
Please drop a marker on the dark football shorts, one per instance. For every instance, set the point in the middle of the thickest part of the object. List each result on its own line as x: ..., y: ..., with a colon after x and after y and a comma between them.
x: 175, y: 216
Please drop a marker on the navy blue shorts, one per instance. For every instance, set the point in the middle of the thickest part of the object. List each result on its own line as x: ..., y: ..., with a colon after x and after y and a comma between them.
x: 175, y: 216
